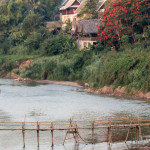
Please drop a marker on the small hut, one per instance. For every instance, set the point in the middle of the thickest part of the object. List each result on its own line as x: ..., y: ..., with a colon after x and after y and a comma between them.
x: 85, y: 32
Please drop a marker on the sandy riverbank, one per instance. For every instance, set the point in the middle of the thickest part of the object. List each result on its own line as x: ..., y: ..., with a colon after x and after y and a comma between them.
x: 67, y: 83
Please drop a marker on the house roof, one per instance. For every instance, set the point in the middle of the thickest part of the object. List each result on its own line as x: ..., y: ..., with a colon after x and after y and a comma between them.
x: 67, y: 4
x: 87, y: 26
x: 83, y: 3
x: 53, y: 25
x: 101, y: 4
x: 80, y: 7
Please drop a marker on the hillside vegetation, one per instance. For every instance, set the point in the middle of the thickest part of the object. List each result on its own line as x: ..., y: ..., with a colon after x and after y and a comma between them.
x: 55, y: 56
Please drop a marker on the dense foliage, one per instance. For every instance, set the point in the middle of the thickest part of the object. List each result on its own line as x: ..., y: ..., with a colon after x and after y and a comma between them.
x: 23, y: 31
x: 89, y: 11
x: 24, y: 36
x: 124, y: 17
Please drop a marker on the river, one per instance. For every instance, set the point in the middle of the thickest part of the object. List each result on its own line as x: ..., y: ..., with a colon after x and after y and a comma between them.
x: 50, y: 102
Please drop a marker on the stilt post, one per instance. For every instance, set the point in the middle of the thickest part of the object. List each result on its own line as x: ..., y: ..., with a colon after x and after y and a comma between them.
x: 109, y: 133
x: 38, y: 134
x: 23, y: 133
x: 52, y: 142
x: 93, y: 132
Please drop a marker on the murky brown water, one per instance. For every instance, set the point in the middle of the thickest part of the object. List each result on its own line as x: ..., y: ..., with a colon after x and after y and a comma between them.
x: 49, y: 102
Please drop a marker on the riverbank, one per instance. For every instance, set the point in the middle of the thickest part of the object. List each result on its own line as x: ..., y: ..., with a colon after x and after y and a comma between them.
x: 106, y: 90
x: 118, y: 92
x: 127, y: 71
x: 67, y: 83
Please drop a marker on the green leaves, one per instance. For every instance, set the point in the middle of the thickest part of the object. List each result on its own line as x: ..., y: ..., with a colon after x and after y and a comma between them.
x: 21, y: 23
x: 31, y: 22
x: 58, y: 45
x: 89, y: 11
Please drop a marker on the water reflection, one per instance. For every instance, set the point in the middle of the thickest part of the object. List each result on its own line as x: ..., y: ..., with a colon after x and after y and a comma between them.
x: 4, y: 116
x: 103, y: 146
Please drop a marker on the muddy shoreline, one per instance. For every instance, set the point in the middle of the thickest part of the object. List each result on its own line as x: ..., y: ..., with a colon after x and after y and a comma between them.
x: 119, y: 92
x: 67, y: 83
x: 109, y: 91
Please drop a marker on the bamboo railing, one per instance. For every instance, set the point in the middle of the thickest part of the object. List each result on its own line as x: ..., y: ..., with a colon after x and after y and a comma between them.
x: 73, y: 127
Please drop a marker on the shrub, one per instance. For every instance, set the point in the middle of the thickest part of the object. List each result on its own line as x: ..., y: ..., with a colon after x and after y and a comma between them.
x: 58, y: 45
x: 139, y: 37
x: 16, y: 71
x: 125, y: 39
x: 19, y: 50
x: 34, y: 71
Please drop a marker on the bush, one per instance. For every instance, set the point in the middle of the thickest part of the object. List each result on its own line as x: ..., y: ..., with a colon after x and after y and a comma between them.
x: 19, y: 50
x: 146, y: 33
x: 125, y: 39
x: 16, y: 71
x: 8, y: 65
x: 139, y: 37
x: 33, y: 41
x: 34, y: 71
x: 58, y: 45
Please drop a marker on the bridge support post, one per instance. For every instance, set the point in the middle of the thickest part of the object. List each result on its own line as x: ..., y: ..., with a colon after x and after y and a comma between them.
x: 38, y: 134
x: 52, y: 135
x: 23, y: 134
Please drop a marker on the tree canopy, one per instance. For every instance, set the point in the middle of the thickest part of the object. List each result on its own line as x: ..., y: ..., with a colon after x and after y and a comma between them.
x: 22, y: 23
x: 89, y: 11
x: 124, y: 17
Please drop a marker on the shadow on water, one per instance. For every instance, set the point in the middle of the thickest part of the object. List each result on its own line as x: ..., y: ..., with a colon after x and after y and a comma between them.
x: 32, y: 84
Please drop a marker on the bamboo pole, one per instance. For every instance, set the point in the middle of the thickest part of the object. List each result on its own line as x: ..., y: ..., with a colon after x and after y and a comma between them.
x: 93, y: 132
x: 65, y: 137
x: 140, y: 132
x: 128, y: 129
x: 52, y: 142
x: 76, y: 133
x: 23, y: 134
x: 38, y: 134
x: 109, y: 133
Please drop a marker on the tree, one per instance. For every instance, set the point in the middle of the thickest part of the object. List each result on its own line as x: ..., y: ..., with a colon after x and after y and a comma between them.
x: 89, y: 11
x: 47, y: 8
x: 31, y: 22
x: 123, y: 17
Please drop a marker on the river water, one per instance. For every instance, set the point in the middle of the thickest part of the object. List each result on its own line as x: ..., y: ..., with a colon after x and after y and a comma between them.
x: 50, y: 102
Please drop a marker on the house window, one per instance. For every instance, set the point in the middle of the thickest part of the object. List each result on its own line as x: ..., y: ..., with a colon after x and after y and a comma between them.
x: 73, y: 9
x: 68, y: 10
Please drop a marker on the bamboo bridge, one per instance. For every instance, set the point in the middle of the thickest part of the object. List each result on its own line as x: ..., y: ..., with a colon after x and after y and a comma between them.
x: 75, y: 128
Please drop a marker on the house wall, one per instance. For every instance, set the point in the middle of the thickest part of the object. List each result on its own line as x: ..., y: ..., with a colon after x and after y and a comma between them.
x: 71, y: 17
x: 68, y: 11
x: 84, y: 43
